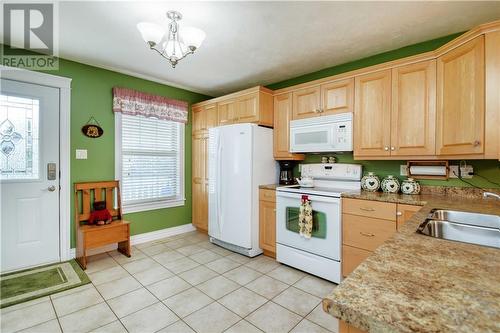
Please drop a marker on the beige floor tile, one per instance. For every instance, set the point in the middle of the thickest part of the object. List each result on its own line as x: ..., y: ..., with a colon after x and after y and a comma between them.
x: 305, y: 326
x: 87, y: 319
x: 177, y: 327
x: 239, y: 258
x: 20, y: 306
x: 221, y: 251
x: 190, y: 249
x: 71, y: 291
x: 263, y: 264
x: 100, y: 264
x: 325, y: 320
x: 181, y: 265
x: 165, y: 288
x: 242, y: 301
x: 140, y: 265
x: 208, y: 246
x: 26, y: 316
x: 286, y: 274
x: 198, y: 275
x: 187, y: 302
x: 266, y: 286
x: 175, y: 244
x: 167, y: 256
x: 114, y: 327
x: 118, y: 287
x: 97, y: 257
x: 51, y: 326
x: 153, y: 275
x: 76, y: 301
x: 155, y: 249
x: 123, y: 259
x: 142, y: 246
x: 205, y: 256
x: 316, y: 286
x: 150, y: 319
x: 222, y: 265
x: 242, y: 275
x: 273, y: 318
x: 109, y: 274
x: 297, y: 301
x: 243, y: 326
x: 212, y: 319
x: 218, y: 287
x: 136, y: 300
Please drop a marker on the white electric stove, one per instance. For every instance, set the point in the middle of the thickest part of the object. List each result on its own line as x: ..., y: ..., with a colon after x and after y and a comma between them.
x: 321, y: 254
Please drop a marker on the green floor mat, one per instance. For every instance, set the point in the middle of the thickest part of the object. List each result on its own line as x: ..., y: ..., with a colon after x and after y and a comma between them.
x: 37, y: 282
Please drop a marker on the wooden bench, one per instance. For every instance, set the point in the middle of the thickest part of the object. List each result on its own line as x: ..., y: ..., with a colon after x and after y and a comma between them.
x: 94, y: 236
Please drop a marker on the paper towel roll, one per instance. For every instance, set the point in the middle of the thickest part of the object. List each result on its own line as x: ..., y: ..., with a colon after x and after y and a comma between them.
x: 430, y: 170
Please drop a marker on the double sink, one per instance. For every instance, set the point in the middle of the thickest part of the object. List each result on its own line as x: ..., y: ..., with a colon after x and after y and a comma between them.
x: 474, y: 228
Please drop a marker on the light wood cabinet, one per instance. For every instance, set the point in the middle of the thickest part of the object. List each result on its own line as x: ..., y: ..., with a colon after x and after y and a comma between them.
x: 281, y: 135
x: 460, y: 99
x: 405, y: 212
x: 413, y: 115
x: 267, y: 221
x: 337, y: 97
x: 372, y: 114
x: 254, y: 105
x: 248, y: 108
x: 352, y: 257
x: 492, y: 106
x: 346, y: 328
x: 226, y: 112
x: 306, y: 102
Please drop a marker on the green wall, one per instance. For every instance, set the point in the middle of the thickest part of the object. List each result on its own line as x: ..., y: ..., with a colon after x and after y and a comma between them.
x: 486, y: 168
x: 91, y: 95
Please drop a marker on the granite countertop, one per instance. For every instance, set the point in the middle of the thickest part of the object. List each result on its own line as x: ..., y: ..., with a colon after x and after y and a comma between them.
x: 269, y: 186
x: 416, y: 283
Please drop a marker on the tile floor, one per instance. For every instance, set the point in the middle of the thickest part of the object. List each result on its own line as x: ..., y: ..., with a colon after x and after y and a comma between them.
x: 180, y: 284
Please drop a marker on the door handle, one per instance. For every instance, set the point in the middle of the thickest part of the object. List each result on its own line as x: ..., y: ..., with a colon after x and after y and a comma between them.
x: 51, y: 188
x: 367, y: 234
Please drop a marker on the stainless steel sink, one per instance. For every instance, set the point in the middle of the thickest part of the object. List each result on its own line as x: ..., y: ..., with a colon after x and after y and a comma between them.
x: 480, y: 229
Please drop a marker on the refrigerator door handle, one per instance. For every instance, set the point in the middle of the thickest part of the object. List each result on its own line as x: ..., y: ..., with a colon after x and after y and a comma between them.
x: 219, y: 181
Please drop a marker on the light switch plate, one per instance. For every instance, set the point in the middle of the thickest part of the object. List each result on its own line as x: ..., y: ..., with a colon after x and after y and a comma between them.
x: 81, y: 154
x: 403, y: 170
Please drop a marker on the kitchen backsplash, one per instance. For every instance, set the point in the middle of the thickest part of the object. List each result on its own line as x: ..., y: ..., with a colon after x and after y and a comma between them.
x: 489, y: 169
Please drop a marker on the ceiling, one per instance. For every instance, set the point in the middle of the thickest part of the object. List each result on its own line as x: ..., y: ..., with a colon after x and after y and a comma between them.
x: 250, y: 43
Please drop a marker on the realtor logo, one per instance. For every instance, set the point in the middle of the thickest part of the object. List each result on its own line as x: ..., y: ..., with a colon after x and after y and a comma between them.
x: 29, y: 36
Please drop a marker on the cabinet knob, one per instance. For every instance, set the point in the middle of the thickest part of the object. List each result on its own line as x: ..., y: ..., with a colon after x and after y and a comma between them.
x: 477, y: 143
x: 392, y: 148
x: 399, y: 213
x: 386, y: 148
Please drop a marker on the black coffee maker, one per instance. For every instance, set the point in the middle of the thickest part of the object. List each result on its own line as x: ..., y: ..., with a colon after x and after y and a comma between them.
x: 286, y: 172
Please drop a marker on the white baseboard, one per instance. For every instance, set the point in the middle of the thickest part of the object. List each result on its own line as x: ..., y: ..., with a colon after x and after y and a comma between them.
x: 142, y: 238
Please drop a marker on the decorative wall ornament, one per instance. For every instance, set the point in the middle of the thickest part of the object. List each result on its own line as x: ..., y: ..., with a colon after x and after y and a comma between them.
x: 136, y: 103
x: 92, y: 129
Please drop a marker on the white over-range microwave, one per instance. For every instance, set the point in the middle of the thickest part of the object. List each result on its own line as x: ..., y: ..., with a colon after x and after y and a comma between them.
x: 321, y: 134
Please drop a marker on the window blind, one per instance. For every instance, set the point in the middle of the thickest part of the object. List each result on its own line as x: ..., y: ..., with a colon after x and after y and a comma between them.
x: 151, y: 159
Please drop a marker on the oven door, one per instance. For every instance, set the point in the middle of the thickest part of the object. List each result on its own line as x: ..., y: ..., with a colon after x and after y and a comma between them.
x: 326, y: 233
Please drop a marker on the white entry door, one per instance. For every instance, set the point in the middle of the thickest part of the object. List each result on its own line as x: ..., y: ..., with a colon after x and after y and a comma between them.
x: 29, y: 164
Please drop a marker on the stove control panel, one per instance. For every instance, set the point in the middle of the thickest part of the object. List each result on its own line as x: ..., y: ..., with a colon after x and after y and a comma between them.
x: 335, y: 171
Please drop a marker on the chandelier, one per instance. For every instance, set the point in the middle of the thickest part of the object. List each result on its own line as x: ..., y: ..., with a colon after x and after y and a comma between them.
x: 174, y: 44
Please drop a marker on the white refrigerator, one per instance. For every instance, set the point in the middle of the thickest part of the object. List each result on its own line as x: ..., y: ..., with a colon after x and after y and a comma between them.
x: 240, y: 158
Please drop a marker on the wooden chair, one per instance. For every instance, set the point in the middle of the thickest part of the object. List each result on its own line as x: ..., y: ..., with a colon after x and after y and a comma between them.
x: 93, y: 236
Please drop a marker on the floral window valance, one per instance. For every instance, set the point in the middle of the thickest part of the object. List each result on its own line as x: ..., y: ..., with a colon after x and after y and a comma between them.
x: 133, y: 102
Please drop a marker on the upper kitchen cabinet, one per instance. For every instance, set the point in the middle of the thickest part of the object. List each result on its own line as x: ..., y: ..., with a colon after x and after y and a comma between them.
x: 460, y: 100
x: 413, y: 115
x: 492, y: 112
x: 226, y: 112
x: 281, y: 135
x: 204, y: 117
x: 372, y: 115
x: 337, y: 97
x: 306, y: 102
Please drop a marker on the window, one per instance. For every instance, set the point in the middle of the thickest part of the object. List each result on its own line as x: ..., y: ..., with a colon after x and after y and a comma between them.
x: 149, y: 162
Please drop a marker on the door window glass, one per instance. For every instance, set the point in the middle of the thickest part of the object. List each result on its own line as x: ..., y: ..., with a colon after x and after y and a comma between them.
x: 311, y: 137
x: 319, y: 222
x: 19, y: 137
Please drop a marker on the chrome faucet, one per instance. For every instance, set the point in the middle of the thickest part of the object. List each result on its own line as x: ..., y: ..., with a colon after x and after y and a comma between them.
x: 490, y: 194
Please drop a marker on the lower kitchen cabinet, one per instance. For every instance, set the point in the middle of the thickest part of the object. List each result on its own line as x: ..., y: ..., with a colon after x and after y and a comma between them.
x: 366, y: 225
x: 267, y: 222
x: 346, y: 328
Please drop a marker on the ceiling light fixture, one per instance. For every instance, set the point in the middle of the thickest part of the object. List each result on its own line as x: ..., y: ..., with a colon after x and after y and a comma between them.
x: 175, y: 44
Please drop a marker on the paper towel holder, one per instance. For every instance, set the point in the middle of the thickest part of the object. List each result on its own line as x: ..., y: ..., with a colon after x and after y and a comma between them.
x: 442, y: 164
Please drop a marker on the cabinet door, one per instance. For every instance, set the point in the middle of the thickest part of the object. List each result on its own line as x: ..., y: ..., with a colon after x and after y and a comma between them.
x: 460, y: 112
x: 248, y: 108
x: 200, y: 198
x: 372, y: 115
x: 337, y: 97
x: 351, y: 258
x: 413, y: 116
x: 226, y: 112
x: 281, y: 135
x: 405, y: 212
x: 306, y: 103
x: 199, y: 119
x: 267, y: 226
x: 211, y: 115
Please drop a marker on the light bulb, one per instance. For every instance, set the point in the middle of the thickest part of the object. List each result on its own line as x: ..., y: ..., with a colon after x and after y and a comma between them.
x: 151, y: 32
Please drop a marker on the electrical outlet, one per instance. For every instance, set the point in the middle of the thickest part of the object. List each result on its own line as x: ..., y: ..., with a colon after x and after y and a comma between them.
x: 81, y: 154
x: 465, y: 172
x: 403, y: 170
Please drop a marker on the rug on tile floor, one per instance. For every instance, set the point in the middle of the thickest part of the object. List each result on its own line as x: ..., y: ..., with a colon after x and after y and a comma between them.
x: 37, y: 282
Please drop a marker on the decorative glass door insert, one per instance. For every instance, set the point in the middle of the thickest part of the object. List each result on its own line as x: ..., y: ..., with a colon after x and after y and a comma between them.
x: 19, y: 137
